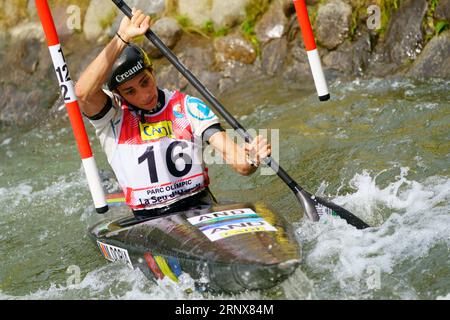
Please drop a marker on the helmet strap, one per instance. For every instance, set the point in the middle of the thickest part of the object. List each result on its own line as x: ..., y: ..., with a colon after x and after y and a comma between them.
x: 142, y: 112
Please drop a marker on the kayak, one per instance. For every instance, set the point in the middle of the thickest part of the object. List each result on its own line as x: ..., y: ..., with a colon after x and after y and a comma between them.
x: 228, y: 247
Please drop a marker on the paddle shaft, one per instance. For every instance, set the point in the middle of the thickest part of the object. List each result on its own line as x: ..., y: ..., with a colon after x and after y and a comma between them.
x: 310, y: 203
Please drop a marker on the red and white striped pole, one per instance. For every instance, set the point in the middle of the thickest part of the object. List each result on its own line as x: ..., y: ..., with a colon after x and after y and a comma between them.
x: 70, y: 100
x: 311, y: 49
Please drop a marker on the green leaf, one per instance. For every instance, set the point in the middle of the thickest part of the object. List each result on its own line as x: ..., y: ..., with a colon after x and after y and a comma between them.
x: 441, y: 26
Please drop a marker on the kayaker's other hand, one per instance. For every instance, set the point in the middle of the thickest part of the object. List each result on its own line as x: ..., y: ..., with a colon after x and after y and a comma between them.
x: 137, y: 26
x: 258, y: 149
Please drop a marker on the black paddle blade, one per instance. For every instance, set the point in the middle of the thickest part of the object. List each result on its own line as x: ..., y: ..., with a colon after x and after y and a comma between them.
x: 315, y: 207
x: 333, y: 209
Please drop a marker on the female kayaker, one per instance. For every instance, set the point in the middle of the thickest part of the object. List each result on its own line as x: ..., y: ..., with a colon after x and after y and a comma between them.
x: 153, y: 137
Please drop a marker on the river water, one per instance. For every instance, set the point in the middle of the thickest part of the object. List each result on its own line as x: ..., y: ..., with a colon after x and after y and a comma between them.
x: 380, y: 148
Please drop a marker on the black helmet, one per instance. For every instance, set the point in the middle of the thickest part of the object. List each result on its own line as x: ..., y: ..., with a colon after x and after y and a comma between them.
x: 131, y: 62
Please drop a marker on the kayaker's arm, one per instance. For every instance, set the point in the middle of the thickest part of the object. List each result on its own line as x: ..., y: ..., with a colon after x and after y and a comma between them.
x: 237, y: 156
x: 88, y: 89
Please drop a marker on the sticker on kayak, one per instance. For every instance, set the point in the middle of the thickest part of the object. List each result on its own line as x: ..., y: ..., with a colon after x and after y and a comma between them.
x: 114, y: 254
x: 224, y: 224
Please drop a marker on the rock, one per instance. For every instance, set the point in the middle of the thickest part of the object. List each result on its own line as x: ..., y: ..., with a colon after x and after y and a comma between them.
x: 297, y: 71
x: 28, y: 60
x: 362, y: 50
x: 31, y: 10
x: 30, y: 86
x: 293, y: 33
x: 198, y: 56
x: 154, y: 7
x: 333, y: 23
x: 115, y: 26
x: 67, y: 20
x: 404, y: 34
x: 236, y: 72
x: 24, y: 97
x: 297, y: 51
x: 273, y: 24
x: 168, y: 30
x: 297, y: 65
x: 99, y: 16
x: 67, y: 17
x: 350, y: 57
x: 442, y: 11
x: 233, y: 48
x: 273, y: 55
x: 168, y: 77
x: 78, y: 65
x: 27, y: 31
x: 228, y: 13
x: 23, y: 108
x: 434, y: 61
x: 11, y: 12
x: 340, y: 59
x: 3, y: 39
x: 288, y: 7
x: 148, y: 7
x: 198, y: 11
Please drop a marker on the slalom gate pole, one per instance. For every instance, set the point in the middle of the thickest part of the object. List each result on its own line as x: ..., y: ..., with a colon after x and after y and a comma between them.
x: 72, y: 107
x: 311, y: 50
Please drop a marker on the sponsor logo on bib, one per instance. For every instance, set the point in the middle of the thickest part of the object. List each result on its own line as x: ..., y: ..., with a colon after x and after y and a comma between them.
x: 155, y: 131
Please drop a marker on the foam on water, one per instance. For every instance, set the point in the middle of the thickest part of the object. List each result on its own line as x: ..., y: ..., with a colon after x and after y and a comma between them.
x: 14, y: 195
x: 117, y: 282
x: 70, y: 186
x: 6, y: 142
x: 418, y: 221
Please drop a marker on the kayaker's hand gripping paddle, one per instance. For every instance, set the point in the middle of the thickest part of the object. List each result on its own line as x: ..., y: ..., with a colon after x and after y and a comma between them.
x: 314, y: 206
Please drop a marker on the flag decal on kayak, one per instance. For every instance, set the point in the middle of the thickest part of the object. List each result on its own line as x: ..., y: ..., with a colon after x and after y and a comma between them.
x: 116, y: 199
x: 153, y: 265
x: 113, y: 254
x: 223, y: 224
x: 162, y: 267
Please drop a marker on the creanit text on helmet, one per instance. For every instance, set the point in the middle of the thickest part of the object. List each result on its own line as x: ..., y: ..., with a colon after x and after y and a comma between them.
x: 121, y: 77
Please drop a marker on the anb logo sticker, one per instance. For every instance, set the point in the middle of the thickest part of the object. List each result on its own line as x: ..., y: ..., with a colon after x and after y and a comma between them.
x: 199, y: 110
x: 157, y: 130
